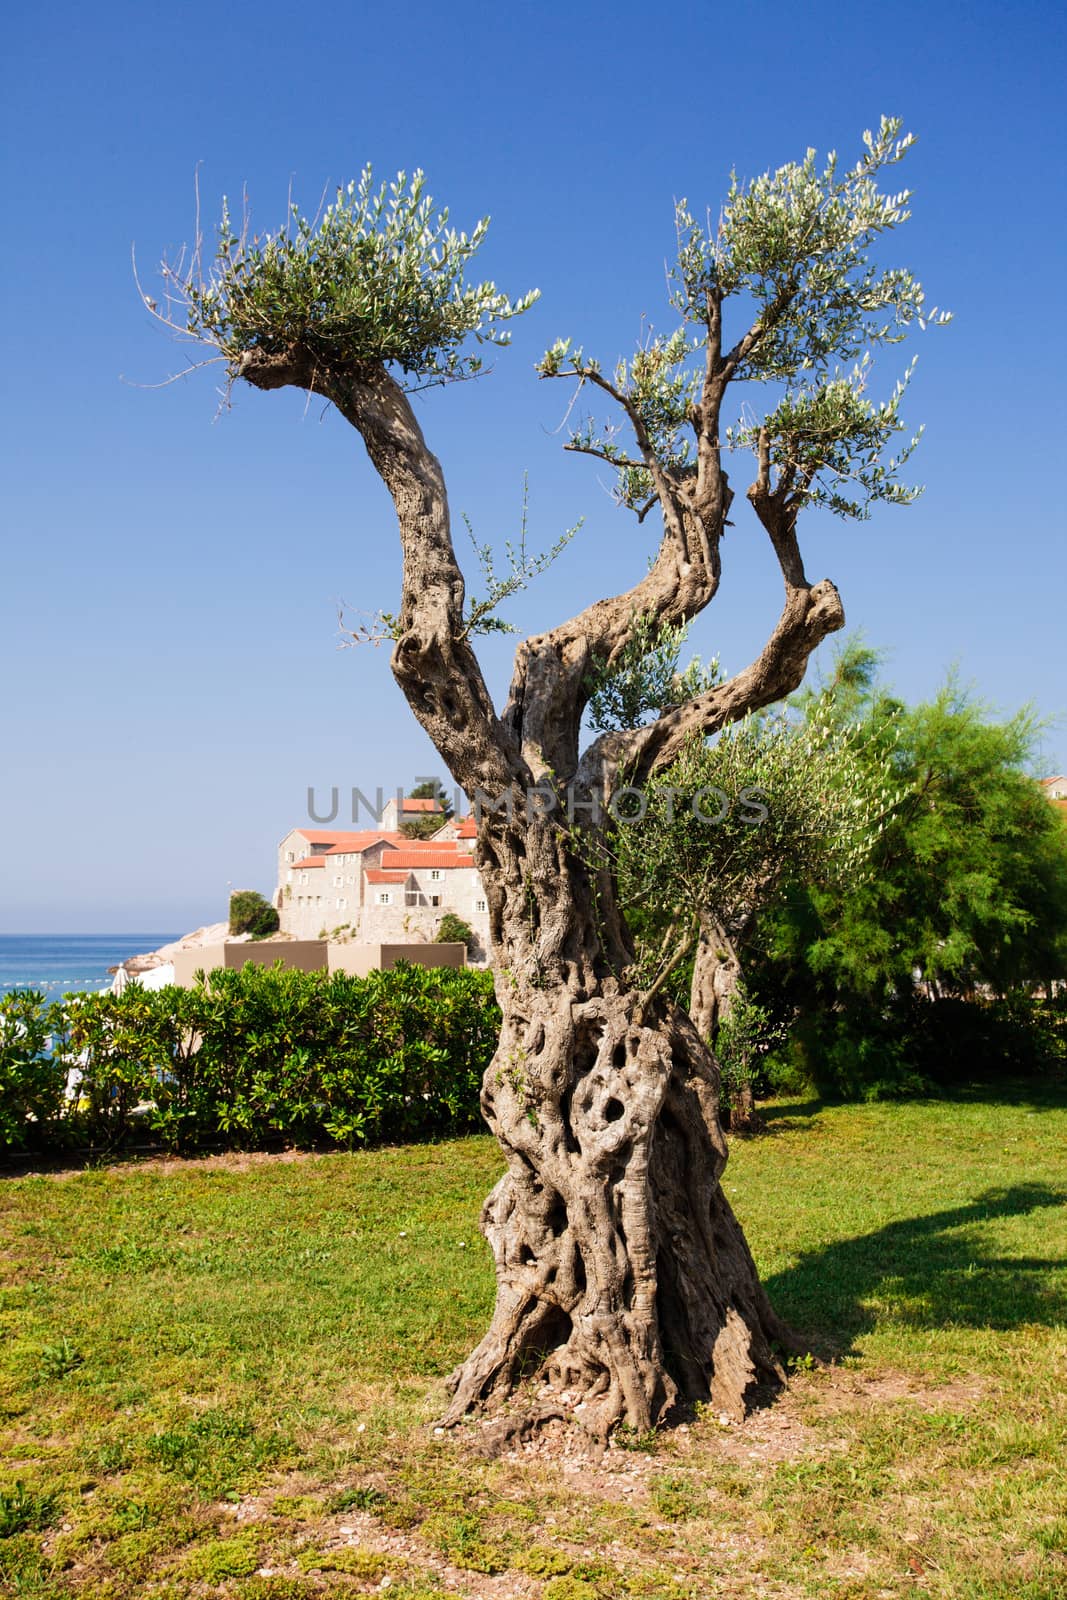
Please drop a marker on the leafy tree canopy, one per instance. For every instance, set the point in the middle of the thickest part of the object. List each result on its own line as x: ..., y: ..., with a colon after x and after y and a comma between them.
x: 453, y: 930
x: 377, y: 278
x: 796, y: 244
x: 251, y: 913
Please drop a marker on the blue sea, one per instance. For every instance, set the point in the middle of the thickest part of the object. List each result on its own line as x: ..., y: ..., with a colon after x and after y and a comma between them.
x: 64, y: 963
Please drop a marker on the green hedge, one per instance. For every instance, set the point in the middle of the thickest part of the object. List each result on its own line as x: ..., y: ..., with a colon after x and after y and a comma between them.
x: 248, y: 1058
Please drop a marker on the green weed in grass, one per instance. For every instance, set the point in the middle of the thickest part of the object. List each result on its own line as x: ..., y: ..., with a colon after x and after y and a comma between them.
x: 355, y: 1499
x: 59, y: 1360
x: 369, y: 1565
x: 24, y: 1510
x: 540, y: 1561
x: 568, y: 1588
x: 235, y: 1557
x: 217, y: 1449
x: 461, y: 1539
x: 675, y: 1499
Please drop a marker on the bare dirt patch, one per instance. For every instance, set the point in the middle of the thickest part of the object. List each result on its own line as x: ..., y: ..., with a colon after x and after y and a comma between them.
x: 832, y: 1389
x: 158, y: 1165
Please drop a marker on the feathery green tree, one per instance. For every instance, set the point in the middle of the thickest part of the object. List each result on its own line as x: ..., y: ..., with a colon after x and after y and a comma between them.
x: 966, y: 892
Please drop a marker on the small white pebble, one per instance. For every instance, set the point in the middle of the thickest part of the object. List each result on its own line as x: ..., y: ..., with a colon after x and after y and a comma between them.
x: 724, y: 1419
x: 439, y: 1431
x: 402, y: 1234
x: 463, y: 1244
x: 362, y: 1428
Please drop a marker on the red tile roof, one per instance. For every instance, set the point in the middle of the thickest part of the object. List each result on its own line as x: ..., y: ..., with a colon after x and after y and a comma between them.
x: 308, y: 861
x: 390, y: 840
x: 1059, y: 778
x: 376, y: 875
x: 344, y: 842
x: 456, y: 828
x: 435, y: 858
x: 420, y: 805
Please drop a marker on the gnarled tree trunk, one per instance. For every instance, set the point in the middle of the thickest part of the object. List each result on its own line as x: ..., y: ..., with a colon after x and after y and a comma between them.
x: 624, y: 1282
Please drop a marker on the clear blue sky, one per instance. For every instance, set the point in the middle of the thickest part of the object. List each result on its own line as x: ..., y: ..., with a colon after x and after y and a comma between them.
x: 172, y: 682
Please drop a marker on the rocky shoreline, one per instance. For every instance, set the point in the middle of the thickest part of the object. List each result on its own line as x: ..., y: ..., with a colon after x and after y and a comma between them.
x: 213, y: 933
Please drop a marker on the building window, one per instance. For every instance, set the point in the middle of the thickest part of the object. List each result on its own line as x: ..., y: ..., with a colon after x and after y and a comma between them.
x: 435, y: 899
x: 338, y: 883
x: 480, y: 905
x: 384, y: 897
x: 342, y: 903
x: 290, y: 855
x: 435, y: 876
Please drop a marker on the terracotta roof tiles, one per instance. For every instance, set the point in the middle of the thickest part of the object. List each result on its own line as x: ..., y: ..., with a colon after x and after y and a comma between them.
x: 436, y: 858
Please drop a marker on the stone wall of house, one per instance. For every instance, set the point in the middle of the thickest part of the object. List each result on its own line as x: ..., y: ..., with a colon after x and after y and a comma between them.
x: 306, y: 905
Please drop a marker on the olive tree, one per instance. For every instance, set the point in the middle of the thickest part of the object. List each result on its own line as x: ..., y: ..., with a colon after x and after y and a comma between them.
x: 772, y: 798
x: 624, y: 1283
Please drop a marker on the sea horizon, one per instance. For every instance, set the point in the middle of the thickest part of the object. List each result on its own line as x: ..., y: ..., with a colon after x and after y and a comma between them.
x: 69, y: 963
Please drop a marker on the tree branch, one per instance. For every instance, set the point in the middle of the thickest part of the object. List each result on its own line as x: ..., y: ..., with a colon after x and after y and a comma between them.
x: 432, y: 660
x: 777, y: 508
x: 603, y: 455
x: 549, y: 684
x: 808, y: 617
x: 548, y: 693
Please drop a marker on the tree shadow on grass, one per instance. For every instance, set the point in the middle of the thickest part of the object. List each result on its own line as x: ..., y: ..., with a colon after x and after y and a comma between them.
x: 935, y: 1271
x: 786, y: 1116
x: 1038, y: 1092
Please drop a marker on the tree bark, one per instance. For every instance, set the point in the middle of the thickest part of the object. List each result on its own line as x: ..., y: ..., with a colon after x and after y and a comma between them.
x: 716, y: 976
x: 624, y: 1283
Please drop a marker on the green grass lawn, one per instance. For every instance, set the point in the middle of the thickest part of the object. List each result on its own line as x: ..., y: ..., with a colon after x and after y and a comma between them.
x: 219, y: 1377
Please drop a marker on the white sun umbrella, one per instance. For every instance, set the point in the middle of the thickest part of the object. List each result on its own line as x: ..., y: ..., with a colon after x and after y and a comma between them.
x: 157, y: 977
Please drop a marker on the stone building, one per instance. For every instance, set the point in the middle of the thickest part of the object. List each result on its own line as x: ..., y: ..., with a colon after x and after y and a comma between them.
x: 378, y: 887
